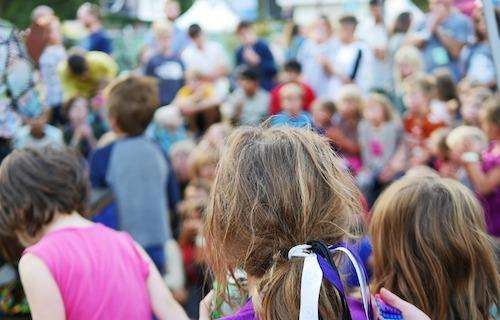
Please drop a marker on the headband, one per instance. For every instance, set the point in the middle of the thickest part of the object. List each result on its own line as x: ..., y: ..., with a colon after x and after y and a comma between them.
x: 319, y: 264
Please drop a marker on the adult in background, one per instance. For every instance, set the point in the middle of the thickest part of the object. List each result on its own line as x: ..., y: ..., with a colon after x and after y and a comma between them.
x: 375, y: 34
x: 180, y: 38
x: 317, y: 56
x: 442, y: 36
x: 84, y: 74
x: 208, y: 58
x: 98, y: 40
x: 255, y: 53
x: 37, y: 37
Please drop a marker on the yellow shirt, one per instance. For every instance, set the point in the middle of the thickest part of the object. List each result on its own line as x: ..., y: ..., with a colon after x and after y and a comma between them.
x: 186, y: 92
x: 101, y: 69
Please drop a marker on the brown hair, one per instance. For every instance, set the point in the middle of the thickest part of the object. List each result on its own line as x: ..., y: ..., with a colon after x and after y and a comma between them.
x: 132, y: 101
x: 274, y: 189
x: 430, y: 247
x: 37, y: 184
x: 491, y: 111
x: 384, y: 102
x: 422, y: 82
x: 325, y: 105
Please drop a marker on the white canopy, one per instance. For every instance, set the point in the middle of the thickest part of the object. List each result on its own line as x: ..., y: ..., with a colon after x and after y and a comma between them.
x: 212, y: 15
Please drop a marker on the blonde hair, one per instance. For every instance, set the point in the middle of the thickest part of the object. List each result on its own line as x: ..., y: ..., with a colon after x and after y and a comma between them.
x: 274, y: 189
x: 162, y: 29
x: 202, y: 156
x: 458, y: 136
x: 384, y: 102
x: 421, y: 81
x: 291, y: 88
x: 351, y: 92
x: 430, y: 247
x: 409, y: 55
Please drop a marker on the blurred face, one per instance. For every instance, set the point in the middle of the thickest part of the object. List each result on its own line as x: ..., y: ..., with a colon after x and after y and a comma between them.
x: 195, y: 194
x: 376, y: 12
x: 415, y: 100
x: 405, y: 70
x: 348, y: 108
x: 491, y: 130
x: 55, y: 36
x: 374, y: 113
x: 84, y: 17
x: 181, y: 166
x: 199, y: 41
x: 249, y: 86
x: 164, y: 42
x: 470, y: 109
x: 321, y: 31
x: 37, y: 125
x: 346, y: 32
x: 291, y: 76
x: 194, y: 83
x: 172, y: 10
x: 78, y: 112
x: 321, y: 116
x: 246, y: 36
x: 433, y: 4
x: 207, y: 171
x: 291, y: 103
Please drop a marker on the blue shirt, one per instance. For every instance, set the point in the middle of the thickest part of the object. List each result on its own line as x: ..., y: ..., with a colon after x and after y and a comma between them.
x: 99, y: 41
x: 457, y: 26
x: 303, y: 120
x: 266, y: 68
x: 169, y: 70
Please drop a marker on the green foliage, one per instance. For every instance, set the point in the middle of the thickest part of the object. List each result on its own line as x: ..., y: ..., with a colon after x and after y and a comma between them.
x: 18, y: 11
x: 422, y: 4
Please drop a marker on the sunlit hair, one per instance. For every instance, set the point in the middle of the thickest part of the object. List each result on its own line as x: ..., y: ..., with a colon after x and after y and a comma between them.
x: 421, y: 81
x: 350, y: 92
x: 291, y: 89
x: 384, y: 102
x: 491, y: 111
x: 274, y: 189
x: 460, y: 135
x: 430, y: 247
x: 410, y: 56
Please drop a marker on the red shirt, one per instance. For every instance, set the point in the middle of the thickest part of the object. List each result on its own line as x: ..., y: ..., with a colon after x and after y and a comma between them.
x: 275, y: 104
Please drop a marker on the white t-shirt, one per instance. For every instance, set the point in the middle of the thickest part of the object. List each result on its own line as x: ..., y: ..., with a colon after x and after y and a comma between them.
x: 205, y: 60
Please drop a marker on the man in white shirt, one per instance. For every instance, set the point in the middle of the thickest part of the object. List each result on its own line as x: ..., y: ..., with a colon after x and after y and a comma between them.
x: 353, y: 60
x: 206, y: 57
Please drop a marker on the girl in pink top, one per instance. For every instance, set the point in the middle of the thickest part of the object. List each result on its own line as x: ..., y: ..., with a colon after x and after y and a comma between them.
x: 73, y: 268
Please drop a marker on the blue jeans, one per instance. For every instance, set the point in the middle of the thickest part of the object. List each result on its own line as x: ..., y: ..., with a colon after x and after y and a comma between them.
x: 157, y: 254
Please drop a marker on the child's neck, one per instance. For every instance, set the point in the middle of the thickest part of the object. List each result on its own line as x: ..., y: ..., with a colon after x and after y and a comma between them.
x: 62, y: 221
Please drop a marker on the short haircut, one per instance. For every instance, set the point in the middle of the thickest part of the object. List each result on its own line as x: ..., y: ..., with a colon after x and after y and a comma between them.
x: 375, y: 3
x: 293, y: 66
x: 248, y: 74
x: 132, y: 102
x: 348, y: 20
x: 40, y: 11
x: 35, y: 184
x: 77, y: 64
x: 421, y: 81
x: 92, y: 8
x: 325, y: 105
x: 243, y: 25
x: 194, y: 31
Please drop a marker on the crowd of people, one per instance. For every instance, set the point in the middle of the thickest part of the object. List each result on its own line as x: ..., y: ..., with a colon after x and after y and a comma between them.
x: 235, y: 178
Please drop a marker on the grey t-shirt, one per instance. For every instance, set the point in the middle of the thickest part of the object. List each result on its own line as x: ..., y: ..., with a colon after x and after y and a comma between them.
x: 138, y: 175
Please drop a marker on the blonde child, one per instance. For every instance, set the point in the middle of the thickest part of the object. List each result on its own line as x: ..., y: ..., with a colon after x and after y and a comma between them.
x: 279, y: 199
x: 408, y: 61
x: 73, y: 268
x: 484, y: 171
x: 379, y: 135
x: 430, y: 248
x: 472, y: 104
x: 167, y: 127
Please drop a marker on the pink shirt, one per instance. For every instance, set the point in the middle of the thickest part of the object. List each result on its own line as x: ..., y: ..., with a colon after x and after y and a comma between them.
x: 100, y: 273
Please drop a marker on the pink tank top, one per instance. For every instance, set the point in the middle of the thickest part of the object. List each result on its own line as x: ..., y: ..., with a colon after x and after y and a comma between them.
x: 99, y: 272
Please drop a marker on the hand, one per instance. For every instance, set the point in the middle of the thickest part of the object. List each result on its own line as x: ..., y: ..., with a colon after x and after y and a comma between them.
x: 206, y: 306
x: 410, y: 312
x: 251, y: 56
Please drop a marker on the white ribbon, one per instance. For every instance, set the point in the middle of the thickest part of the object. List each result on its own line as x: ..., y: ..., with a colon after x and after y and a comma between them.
x: 312, y: 277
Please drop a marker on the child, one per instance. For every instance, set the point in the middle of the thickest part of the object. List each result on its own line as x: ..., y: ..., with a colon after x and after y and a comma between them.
x: 78, y: 133
x: 446, y: 104
x: 473, y: 102
x: 344, y: 133
x: 430, y: 248
x: 37, y: 133
x: 135, y: 169
x: 166, y: 66
x: 179, y: 153
x: 484, y: 171
x: 408, y: 61
x: 276, y: 189
x: 441, y: 153
x: 167, y: 127
x: 292, y: 72
x: 379, y: 136
x: 247, y: 105
x: 73, y: 268
x: 203, y: 161
x: 418, y: 122
x: 198, y: 102
x: 293, y: 114
x: 322, y: 114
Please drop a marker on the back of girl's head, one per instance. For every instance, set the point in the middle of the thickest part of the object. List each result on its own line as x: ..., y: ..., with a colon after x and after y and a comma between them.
x: 430, y: 247
x: 35, y: 185
x: 445, y: 86
x: 274, y: 189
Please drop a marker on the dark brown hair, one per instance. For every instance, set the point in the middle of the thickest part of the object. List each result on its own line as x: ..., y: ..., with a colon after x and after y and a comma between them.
x: 132, y: 101
x: 37, y: 184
